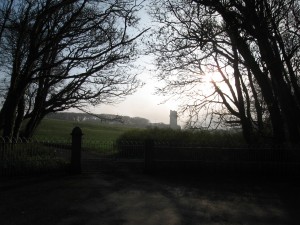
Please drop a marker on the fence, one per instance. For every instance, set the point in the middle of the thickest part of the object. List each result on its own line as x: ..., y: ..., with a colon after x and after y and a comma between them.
x: 28, y: 157
x: 233, y: 161
x: 31, y: 157
x: 154, y: 156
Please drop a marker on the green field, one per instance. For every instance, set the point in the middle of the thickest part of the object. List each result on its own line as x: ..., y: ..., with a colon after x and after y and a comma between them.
x: 61, y: 129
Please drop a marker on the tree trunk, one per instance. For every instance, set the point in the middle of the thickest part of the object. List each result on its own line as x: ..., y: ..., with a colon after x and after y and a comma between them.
x: 9, y: 110
x: 32, y: 124
x: 9, y: 114
x: 257, y: 105
x: 264, y: 83
x: 288, y: 106
x: 39, y: 109
x: 19, y: 118
x: 245, y: 121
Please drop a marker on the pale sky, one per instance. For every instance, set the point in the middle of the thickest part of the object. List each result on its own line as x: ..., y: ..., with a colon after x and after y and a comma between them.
x: 144, y: 103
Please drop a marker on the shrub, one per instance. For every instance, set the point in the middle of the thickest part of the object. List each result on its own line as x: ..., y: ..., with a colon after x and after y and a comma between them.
x: 209, y: 138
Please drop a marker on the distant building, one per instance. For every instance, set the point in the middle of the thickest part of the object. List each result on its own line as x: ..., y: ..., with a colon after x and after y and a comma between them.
x: 173, y: 120
x: 158, y: 125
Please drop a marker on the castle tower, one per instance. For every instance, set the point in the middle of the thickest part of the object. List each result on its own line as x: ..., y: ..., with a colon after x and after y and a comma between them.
x: 173, y: 119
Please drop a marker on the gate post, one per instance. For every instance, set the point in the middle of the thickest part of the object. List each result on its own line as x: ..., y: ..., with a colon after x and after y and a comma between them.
x: 76, y: 151
x: 149, y: 154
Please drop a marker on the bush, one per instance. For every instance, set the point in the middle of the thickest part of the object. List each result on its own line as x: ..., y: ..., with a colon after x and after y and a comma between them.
x: 207, y: 138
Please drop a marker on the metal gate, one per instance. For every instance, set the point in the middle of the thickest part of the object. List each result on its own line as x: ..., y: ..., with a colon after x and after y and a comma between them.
x: 109, y: 156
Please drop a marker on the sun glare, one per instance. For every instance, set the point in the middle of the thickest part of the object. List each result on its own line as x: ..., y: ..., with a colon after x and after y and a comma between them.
x: 215, y: 77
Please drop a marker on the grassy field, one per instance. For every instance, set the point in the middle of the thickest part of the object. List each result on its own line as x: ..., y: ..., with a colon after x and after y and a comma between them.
x: 61, y: 129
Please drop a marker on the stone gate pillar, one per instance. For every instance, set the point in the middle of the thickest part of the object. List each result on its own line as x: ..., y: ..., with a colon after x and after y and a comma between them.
x: 76, y: 151
x: 149, y: 155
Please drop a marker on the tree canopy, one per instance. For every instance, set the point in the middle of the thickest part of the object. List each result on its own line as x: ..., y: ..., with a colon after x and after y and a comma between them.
x: 57, y: 55
x: 250, y: 50
x: 60, y: 54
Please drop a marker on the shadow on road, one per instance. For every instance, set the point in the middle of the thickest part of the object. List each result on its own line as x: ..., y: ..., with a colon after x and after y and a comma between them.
x: 125, y: 197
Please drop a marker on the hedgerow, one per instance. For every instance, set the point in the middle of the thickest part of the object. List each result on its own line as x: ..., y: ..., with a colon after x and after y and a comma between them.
x: 211, y: 138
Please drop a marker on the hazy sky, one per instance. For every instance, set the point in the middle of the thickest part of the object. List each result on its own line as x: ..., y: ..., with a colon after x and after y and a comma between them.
x: 144, y: 103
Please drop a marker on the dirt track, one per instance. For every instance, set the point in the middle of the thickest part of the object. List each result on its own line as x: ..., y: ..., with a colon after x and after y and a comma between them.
x: 135, y: 198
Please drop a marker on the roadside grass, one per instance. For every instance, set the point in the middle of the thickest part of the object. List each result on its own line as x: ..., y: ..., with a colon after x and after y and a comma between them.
x: 105, y: 138
x: 99, y: 138
x: 52, y: 129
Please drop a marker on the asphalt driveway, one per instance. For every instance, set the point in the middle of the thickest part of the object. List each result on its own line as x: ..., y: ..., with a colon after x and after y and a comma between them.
x: 136, y: 199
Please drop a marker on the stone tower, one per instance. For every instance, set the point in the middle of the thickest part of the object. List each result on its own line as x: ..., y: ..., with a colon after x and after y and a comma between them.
x: 173, y: 119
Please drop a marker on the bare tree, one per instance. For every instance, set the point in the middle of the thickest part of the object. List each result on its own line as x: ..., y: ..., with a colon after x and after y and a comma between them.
x: 65, y: 54
x: 5, y: 11
x: 252, y: 45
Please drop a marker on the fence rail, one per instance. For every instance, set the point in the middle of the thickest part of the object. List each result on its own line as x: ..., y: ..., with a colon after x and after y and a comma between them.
x: 164, y: 156
x: 198, y: 153
x: 18, y: 157
x: 239, y: 161
x: 24, y: 157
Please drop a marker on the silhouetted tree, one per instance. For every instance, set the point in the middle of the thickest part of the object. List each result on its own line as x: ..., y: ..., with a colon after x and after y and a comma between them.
x: 66, y: 53
x: 5, y: 11
x: 252, y: 45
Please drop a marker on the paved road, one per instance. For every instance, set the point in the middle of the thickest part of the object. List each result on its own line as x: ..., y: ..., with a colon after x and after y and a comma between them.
x: 124, y: 197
